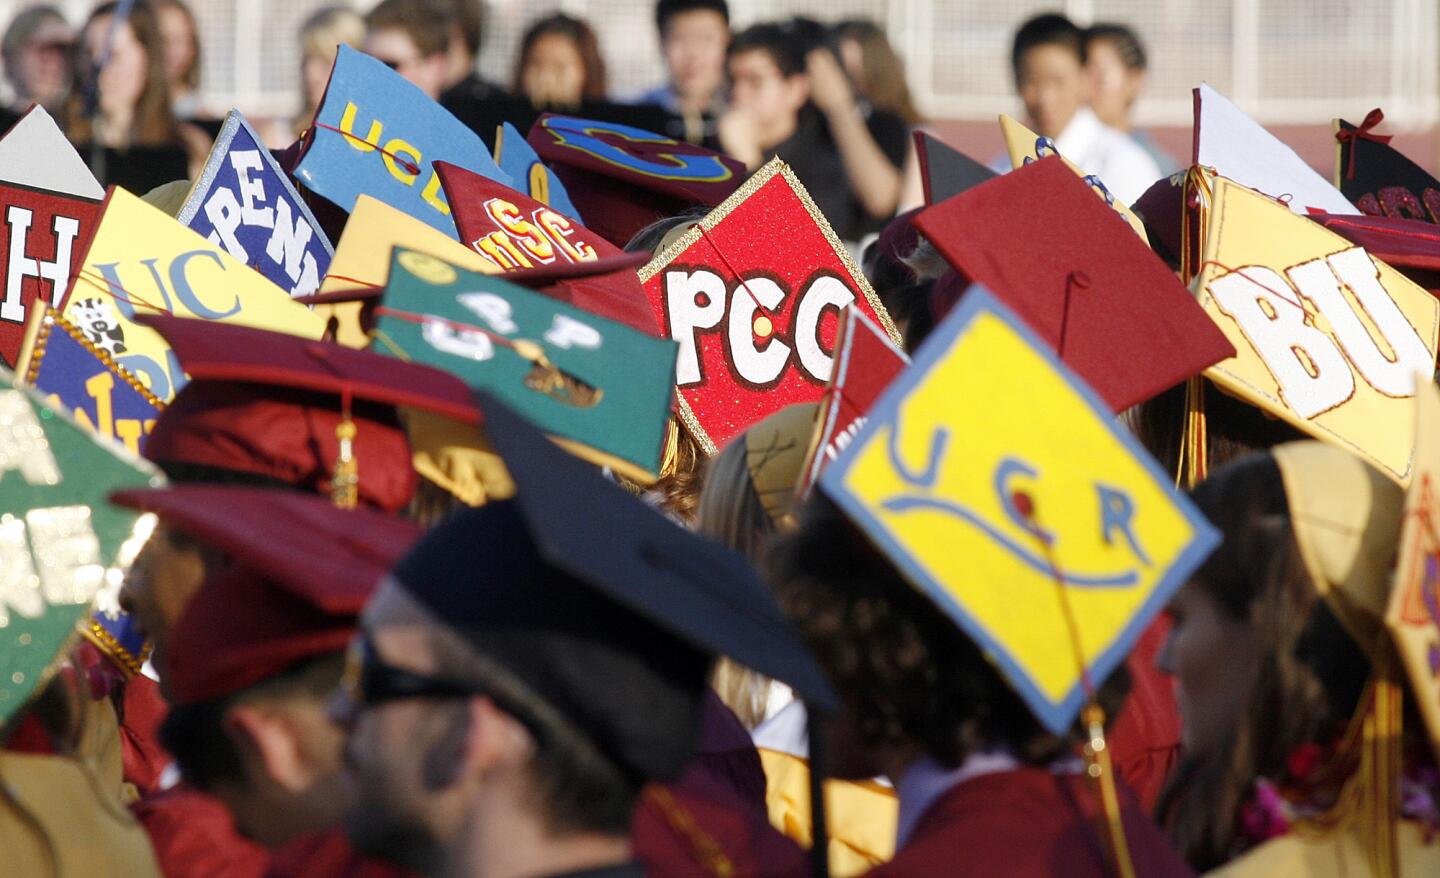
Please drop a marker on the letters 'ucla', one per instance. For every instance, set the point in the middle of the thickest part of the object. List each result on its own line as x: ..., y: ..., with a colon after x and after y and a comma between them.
x: 377, y: 134
x: 245, y: 203
x: 999, y: 484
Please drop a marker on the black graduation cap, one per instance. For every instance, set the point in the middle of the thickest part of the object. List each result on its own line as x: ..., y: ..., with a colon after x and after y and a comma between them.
x: 946, y: 171
x: 602, y: 606
x: 1378, y: 178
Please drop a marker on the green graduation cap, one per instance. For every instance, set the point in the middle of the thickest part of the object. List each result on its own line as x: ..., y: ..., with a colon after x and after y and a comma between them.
x: 62, y: 546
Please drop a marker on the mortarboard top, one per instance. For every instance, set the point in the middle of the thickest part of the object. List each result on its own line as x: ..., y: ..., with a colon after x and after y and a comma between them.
x: 1237, y: 147
x: 601, y: 605
x: 1161, y: 209
x: 944, y: 170
x: 35, y: 152
x: 1338, y: 368
x: 299, y: 572
x: 1410, y: 246
x: 269, y: 404
x: 60, y: 543
x: 623, y: 179
x: 1053, y: 505
x: 518, y: 159
x: 1378, y: 178
x: 1413, y: 613
x: 537, y: 247
x: 1081, y: 280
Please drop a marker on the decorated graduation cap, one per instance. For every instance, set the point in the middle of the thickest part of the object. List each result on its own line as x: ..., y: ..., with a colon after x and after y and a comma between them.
x: 141, y: 261
x: 1001, y: 487
x: 244, y: 202
x: 1091, y: 289
x: 1413, y: 613
x: 754, y: 293
x: 307, y: 413
x: 61, y: 545
x: 375, y: 133
x: 36, y: 153
x: 603, y: 389
x: 866, y: 361
x: 600, y: 605
x: 362, y: 264
x: 299, y: 571
x: 944, y: 170
x: 66, y: 367
x: 518, y: 159
x: 1378, y: 178
x: 541, y: 248
x: 47, y: 233
x: 623, y: 178
x: 1026, y: 147
x: 1327, y: 338
x: 1235, y: 146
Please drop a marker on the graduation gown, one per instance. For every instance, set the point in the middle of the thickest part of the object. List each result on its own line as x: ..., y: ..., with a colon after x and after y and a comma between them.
x: 194, y: 837
x: 1144, y: 739
x: 1336, y: 855
x: 1026, y: 823
x: 695, y: 826
x: 329, y: 855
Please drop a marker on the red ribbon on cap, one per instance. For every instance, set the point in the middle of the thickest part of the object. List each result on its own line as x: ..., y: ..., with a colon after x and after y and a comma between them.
x: 1362, y: 132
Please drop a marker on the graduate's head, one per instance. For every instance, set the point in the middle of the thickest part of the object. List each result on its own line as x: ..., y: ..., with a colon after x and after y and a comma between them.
x: 768, y: 81
x: 269, y: 752
x: 413, y: 38
x: 1048, y: 58
x: 160, y: 582
x: 1265, y: 664
x: 910, y: 681
x: 694, y: 35
x: 1115, y: 62
x: 534, y: 697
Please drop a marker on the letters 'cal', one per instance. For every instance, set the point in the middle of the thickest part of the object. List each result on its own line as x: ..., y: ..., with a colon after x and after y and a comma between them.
x: 1326, y: 336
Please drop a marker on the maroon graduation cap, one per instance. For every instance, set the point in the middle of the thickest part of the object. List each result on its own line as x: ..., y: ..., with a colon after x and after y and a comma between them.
x: 622, y: 179
x: 1410, y: 246
x: 1041, y: 241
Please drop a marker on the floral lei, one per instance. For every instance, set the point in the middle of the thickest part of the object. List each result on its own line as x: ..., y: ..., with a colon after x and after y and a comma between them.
x: 1274, y: 808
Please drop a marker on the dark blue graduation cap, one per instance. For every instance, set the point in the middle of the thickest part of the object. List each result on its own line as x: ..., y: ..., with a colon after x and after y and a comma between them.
x: 946, y: 171
x: 600, y: 604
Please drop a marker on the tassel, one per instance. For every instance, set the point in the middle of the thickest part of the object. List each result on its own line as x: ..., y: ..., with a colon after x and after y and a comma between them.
x: 345, y: 480
x: 1102, y: 773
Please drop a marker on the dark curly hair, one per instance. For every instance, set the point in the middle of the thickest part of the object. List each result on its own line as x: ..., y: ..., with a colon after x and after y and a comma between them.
x: 907, y: 673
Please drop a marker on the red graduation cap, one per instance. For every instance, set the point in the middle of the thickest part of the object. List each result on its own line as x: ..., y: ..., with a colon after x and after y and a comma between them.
x: 300, y: 571
x: 622, y: 179
x: 272, y: 404
x: 1410, y: 246
x: 541, y: 248
x: 1079, y: 275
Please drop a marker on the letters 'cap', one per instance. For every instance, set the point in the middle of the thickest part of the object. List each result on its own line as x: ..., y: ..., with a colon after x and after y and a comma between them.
x: 299, y: 572
x: 1046, y: 246
x: 623, y: 179
x: 600, y: 604
x: 267, y: 403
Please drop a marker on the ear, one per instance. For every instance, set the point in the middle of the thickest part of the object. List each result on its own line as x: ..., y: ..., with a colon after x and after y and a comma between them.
x: 493, y: 740
x: 797, y: 90
x: 269, y: 746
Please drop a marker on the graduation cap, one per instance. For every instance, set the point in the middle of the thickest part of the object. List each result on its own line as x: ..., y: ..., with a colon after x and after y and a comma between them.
x: 1380, y: 179
x: 299, y: 572
x: 945, y: 171
x: 1411, y: 247
x: 35, y: 152
x: 541, y: 248
x: 624, y: 178
x: 61, y: 545
x: 603, y: 607
x: 1413, y: 613
x: 1081, y: 279
x: 312, y: 414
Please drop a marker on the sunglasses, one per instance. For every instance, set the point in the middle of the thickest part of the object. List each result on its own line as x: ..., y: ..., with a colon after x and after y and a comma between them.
x: 368, y: 681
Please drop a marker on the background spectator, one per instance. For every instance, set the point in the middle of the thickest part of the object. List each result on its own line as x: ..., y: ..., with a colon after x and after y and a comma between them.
x: 37, y: 50
x: 1115, y: 61
x: 694, y: 35
x: 182, y: 55
x: 413, y: 37
x: 320, y: 38
x: 559, y: 63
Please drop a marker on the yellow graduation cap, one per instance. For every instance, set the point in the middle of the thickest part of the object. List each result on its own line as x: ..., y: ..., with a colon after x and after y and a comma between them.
x: 141, y: 260
x: 1327, y: 338
x: 1413, y: 614
x: 1025, y: 146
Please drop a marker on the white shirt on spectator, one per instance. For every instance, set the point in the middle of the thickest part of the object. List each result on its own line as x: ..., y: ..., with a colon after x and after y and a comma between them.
x: 1125, y: 168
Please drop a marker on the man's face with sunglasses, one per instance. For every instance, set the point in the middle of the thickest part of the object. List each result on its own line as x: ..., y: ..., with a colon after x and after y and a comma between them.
x: 405, y: 803
x: 398, y: 51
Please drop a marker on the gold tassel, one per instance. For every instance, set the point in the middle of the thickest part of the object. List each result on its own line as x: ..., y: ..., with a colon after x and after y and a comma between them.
x: 345, y: 480
x: 1102, y: 773
x: 1193, y: 464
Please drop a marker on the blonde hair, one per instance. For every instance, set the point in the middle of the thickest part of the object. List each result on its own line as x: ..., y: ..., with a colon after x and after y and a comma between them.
x: 328, y: 28
x: 883, y: 73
